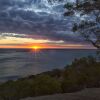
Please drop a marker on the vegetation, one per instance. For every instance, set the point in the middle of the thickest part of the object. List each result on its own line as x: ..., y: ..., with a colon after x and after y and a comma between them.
x: 82, y: 73
x: 88, y: 27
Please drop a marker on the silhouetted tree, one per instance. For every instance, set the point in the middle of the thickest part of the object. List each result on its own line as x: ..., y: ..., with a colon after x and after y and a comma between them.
x: 89, y: 28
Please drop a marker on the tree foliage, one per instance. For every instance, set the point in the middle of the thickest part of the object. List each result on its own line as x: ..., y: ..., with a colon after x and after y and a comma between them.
x: 88, y: 27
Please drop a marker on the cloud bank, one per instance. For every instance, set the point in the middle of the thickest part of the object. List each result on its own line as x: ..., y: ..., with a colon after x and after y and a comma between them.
x: 39, y: 19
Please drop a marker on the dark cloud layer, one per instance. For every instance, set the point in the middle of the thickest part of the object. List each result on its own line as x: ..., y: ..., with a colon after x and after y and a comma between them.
x: 37, y: 18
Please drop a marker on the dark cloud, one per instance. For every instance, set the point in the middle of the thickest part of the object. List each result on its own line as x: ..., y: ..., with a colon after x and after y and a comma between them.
x: 37, y: 18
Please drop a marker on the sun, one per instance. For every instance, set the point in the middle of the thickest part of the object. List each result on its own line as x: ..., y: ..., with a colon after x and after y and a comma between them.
x: 36, y: 47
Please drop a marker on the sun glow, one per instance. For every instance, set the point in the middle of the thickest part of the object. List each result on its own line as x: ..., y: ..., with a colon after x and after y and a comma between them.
x: 36, y: 47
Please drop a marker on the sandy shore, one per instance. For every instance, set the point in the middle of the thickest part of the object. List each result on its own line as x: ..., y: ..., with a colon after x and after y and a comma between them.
x: 86, y: 94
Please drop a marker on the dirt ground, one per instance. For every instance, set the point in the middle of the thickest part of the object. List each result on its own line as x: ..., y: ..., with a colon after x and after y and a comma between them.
x: 86, y: 94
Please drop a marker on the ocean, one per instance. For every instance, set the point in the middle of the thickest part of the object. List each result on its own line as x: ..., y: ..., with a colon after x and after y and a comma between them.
x: 17, y: 63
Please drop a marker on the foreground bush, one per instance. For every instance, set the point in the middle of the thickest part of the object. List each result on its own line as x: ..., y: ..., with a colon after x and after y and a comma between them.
x: 40, y: 85
x: 82, y: 73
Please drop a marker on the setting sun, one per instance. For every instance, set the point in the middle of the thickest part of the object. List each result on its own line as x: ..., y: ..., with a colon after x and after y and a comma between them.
x: 36, y: 47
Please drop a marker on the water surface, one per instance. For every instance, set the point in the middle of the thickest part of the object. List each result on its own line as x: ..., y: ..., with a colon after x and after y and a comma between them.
x: 20, y: 63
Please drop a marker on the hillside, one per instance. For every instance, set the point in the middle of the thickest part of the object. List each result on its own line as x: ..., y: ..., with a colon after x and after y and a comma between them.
x: 83, y: 73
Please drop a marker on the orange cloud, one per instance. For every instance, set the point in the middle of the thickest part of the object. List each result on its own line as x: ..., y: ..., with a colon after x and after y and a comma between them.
x: 48, y: 46
x: 18, y: 42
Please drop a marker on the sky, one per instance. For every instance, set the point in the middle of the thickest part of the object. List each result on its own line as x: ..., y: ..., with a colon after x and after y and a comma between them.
x: 28, y: 23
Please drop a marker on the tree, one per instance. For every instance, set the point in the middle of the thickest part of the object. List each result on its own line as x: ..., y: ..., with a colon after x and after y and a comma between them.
x: 89, y: 28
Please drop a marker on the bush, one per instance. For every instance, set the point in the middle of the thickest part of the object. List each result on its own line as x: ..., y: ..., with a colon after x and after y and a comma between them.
x: 82, y: 73
x: 45, y: 84
x: 40, y: 85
